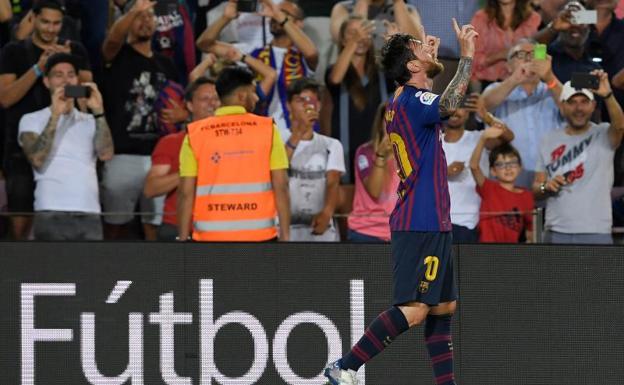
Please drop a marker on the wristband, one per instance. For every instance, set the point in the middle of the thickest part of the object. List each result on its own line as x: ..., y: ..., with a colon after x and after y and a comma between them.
x: 242, y: 59
x: 37, y: 70
x: 97, y: 116
x: 290, y: 145
x: 284, y: 22
x: 552, y: 84
x: 607, y: 96
x: 542, y: 188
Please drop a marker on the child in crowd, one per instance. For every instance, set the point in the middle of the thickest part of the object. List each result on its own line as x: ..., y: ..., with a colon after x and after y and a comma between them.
x: 506, y: 210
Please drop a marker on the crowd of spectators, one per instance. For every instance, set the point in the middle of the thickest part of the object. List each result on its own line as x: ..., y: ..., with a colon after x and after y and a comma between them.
x: 116, y: 161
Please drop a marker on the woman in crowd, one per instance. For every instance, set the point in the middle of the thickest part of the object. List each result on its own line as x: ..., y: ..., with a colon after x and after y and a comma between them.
x: 376, y: 182
x: 501, y: 23
x: 355, y: 87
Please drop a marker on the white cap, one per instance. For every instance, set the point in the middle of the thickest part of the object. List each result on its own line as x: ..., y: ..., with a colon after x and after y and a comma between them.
x: 568, y: 91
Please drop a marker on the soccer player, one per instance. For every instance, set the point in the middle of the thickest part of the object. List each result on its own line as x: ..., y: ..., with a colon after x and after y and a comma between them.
x: 424, y: 289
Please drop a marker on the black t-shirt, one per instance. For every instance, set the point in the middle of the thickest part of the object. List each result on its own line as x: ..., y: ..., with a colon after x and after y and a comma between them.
x: 17, y: 58
x: 360, y: 121
x: 132, y: 84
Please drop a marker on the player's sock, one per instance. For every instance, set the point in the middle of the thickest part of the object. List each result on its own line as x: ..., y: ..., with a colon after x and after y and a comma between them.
x: 380, y: 333
x: 440, y: 346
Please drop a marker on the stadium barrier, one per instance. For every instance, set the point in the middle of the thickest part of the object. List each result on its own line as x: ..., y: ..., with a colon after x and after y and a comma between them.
x: 202, y: 314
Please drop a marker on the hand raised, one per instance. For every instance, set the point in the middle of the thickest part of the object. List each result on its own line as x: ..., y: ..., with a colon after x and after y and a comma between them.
x: 467, y: 37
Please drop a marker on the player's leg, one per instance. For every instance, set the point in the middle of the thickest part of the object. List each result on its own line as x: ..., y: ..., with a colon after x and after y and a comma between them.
x: 407, y: 311
x: 438, y: 337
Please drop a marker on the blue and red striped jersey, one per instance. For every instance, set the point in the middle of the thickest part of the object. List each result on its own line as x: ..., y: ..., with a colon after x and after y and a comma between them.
x: 415, y: 127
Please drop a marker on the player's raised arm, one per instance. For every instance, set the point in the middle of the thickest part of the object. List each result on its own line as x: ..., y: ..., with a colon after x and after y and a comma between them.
x: 454, y: 94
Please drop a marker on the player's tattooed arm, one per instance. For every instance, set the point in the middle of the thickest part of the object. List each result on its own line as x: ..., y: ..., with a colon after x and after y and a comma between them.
x: 37, y: 147
x: 454, y: 94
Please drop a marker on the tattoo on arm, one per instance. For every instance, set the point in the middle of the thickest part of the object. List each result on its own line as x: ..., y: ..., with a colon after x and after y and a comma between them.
x: 37, y: 147
x: 103, y: 141
x: 453, y: 96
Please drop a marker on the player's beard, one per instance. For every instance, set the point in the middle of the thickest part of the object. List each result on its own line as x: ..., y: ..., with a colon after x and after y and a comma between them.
x: 435, y: 69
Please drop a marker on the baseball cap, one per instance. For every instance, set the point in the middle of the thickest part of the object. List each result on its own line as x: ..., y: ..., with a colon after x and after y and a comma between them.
x: 568, y: 91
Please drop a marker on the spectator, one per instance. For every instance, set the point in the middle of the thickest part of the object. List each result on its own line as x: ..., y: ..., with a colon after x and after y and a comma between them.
x: 406, y: 17
x: 247, y: 30
x: 291, y: 52
x: 527, y: 102
x: 24, y: 20
x: 236, y: 161
x: 355, y: 87
x: 135, y: 76
x: 267, y: 74
x: 606, y: 41
x: 22, y: 91
x: 501, y: 24
x: 316, y: 164
x: 575, y: 171
x: 62, y: 145
x: 458, y: 146
x: 569, y: 50
x: 506, y: 210
x: 164, y: 175
x: 174, y: 36
x: 376, y: 183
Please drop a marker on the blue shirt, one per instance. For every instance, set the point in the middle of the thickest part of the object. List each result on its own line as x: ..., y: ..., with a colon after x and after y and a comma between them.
x: 415, y: 128
x: 530, y: 117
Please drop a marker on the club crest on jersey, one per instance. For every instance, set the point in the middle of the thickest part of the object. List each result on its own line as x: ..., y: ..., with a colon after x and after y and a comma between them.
x: 428, y: 98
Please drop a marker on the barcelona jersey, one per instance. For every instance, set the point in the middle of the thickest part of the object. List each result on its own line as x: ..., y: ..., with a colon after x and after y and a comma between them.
x: 414, y: 125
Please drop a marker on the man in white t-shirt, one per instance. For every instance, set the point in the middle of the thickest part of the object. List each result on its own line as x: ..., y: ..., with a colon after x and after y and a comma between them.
x: 316, y: 165
x: 458, y: 146
x: 62, y: 145
x: 575, y: 167
x: 291, y: 52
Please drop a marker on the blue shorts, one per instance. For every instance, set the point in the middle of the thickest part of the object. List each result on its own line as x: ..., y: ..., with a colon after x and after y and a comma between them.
x: 422, y: 268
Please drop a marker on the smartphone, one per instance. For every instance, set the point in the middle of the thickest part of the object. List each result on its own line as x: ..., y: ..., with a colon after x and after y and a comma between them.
x: 247, y: 5
x: 539, y: 52
x: 77, y: 92
x: 584, y: 80
x: 585, y: 17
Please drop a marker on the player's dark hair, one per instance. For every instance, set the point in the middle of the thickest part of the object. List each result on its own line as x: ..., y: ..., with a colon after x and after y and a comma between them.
x: 49, y: 4
x: 395, y: 55
x: 61, y: 57
x: 300, y: 85
x: 193, y: 87
x: 504, y: 149
x: 232, y: 78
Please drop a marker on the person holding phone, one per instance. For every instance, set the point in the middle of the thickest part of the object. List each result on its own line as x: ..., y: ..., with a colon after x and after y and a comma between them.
x: 567, y: 43
x: 62, y: 145
x: 22, y: 65
x: 575, y: 169
x: 527, y: 102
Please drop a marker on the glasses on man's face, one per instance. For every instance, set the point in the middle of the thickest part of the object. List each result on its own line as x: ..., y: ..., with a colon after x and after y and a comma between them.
x: 522, y: 55
x: 507, y: 165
